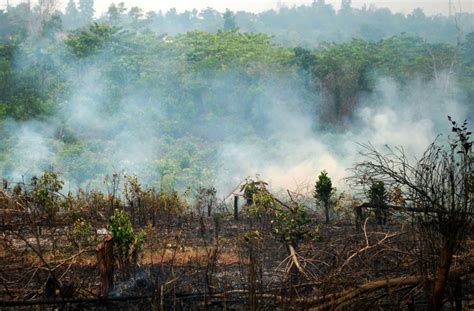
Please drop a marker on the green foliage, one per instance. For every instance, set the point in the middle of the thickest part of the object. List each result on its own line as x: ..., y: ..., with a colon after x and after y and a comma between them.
x: 323, y: 189
x: 255, y: 191
x: 79, y: 159
x: 468, y: 49
x: 293, y: 224
x: 169, y: 202
x: 71, y: 16
x: 126, y: 240
x: 229, y: 20
x: 203, y: 87
x: 323, y: 192
x: 262, y: 203
x: 121, y: 229
x: 114, y: 12
x: 52, y: 26
x: 467, y: 67
x: 290, y: 223
x: 82, y: 233
x: 343, y: 70
x: 90, y: 40
x: 45, y: 193
x: 22, y: 93
x: 133, y: 190
x: 231, y: 50
x: 377, y: 192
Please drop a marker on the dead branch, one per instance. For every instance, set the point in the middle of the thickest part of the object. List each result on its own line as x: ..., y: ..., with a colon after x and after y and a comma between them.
x: 367, y: 247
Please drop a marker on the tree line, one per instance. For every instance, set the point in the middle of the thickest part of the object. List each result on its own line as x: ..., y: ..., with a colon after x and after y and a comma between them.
x: 199, y: 87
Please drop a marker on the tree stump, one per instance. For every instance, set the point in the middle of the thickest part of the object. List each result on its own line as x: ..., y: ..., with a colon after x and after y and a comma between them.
x: 105, y: 262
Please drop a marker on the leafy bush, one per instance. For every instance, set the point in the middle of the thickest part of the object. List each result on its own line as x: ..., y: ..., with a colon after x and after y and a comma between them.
x: 293, y: 224
x: 45, y: 193
x: 126, y: 240
x: 82, y: 233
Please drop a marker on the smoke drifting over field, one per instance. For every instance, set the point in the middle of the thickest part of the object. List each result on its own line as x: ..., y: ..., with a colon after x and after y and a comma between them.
x: 290, y: 156
x: 412, y: 120
x: 271, y: 126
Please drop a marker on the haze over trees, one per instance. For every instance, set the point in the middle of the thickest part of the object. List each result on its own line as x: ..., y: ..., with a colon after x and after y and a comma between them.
x: 124, y: 137
x: 205, y: 88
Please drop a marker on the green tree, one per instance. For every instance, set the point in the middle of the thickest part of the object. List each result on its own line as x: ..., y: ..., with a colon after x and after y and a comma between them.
x: 86, y: 9
x: 115, y: 12
x: 126, y: 240
x: 377, y: 192
x: 346, y: 6
x: 229, y: 20
x: 467, y: 68
x: 88, y: 41
x: 135, y: 13
x: 51, y: 26
x: 71, y: 16
x: 378, y: 195
x: 45, y: 193
x: 323, y: 192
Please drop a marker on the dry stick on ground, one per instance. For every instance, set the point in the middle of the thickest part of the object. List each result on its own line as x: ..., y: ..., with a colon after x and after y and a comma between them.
x: 293, y: 254
x: 294, y: 261
x: 366, y: 248
x: 36, y: 251
x: 438, y: 185
x: 339, y: 300
x: 347, y: 296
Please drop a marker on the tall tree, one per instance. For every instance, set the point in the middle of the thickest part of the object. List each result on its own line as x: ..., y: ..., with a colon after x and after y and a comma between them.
x: 115, y: 12
x: 52, y: 26
x: 346, y: 6
x: 229, y: 20
x: 467, y: 68
x: 86, y: 9
x: 46, y: 8
x: 71, y: 16
x: 135, y: 13
x: 378, y: 195
x: 323, y: 192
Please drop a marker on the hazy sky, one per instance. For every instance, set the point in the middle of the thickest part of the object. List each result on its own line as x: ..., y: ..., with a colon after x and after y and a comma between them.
x: 405, y: 6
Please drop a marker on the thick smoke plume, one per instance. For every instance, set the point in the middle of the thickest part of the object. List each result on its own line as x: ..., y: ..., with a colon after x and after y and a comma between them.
x: 411, y: 119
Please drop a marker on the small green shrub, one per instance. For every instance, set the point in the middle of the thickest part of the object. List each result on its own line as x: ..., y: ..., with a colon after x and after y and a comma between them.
x: 126, y: 240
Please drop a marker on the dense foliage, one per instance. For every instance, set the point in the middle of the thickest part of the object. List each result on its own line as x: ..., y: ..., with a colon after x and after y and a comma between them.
x: 90, y: 96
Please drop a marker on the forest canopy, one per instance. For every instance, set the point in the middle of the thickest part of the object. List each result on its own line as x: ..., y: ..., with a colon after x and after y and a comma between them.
x: 164, y: 92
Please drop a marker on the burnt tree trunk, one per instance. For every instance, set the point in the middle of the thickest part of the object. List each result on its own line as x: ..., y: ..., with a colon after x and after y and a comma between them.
x: 326, y: 210
x: 441, y: 276
x: 252, y: 280
x: 105, y: 263
x: 236, y: 207
x: 358, y: 216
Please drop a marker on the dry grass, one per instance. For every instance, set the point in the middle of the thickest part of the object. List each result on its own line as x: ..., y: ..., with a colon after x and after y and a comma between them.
x: 187, y: 255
